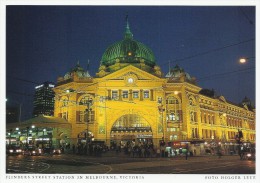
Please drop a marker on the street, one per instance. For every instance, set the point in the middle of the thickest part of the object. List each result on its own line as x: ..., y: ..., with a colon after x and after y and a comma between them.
x: 111, y: 163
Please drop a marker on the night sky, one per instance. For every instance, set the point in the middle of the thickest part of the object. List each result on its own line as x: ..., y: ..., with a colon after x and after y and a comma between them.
x: 45, y: 42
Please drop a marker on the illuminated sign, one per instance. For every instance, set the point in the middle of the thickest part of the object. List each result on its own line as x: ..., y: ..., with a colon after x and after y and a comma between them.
x: 51, y: 86
x: 38, y: 86
x: 41, y: 139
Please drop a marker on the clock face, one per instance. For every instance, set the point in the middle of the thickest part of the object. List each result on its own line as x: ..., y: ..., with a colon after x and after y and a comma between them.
x: 130, y: 80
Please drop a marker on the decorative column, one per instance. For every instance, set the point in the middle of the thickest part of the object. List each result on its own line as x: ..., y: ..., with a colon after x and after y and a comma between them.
x: 151, y: 96
x: 120, y: 94
x: 141, y: 95
x: 130, y: 94
x: 109, y: 94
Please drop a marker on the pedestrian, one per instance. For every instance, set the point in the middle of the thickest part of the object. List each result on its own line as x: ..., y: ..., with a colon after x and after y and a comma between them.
x: 219, y: 154
x: 158, y: 152
x: 73, y: 148
x: 187, y: 150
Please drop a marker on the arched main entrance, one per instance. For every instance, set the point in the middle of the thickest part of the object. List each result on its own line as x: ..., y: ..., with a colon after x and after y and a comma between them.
x: 130, y: 129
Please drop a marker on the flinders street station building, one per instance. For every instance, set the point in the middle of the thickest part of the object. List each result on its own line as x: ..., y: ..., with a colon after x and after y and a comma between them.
x: 130, y: 100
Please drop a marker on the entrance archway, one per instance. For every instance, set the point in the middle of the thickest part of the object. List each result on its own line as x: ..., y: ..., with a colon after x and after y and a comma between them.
x: 130, y: 129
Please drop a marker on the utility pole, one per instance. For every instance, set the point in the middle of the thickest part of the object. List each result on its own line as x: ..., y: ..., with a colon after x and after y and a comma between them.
x: 161, y: 110
x: 88, y: 112
x: 27, y: 139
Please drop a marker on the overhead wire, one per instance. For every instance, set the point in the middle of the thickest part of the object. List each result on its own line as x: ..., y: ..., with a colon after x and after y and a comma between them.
x: 24, y: 80
x: 224, y: 74
x: 246, y: 16
x: 210, y: 51
x: 209, y: 77
x: 20, y: 93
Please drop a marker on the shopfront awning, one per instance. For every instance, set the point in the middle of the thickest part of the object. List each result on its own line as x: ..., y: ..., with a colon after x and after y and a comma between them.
x: 41, y: 121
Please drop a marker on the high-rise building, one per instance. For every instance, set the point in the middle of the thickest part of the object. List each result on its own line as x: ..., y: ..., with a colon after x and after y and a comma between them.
x: 43, y: 103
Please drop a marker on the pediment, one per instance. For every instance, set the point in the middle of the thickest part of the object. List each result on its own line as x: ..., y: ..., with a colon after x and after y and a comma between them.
x: 128, y: 72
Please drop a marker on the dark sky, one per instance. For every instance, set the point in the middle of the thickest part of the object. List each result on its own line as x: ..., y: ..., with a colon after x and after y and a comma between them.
x: 44, y: 42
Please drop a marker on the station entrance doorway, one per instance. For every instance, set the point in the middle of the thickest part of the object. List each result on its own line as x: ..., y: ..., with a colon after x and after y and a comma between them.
x: 130, y: 130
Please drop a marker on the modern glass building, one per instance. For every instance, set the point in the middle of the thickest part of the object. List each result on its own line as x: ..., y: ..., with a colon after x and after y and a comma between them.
x: 43, y: 103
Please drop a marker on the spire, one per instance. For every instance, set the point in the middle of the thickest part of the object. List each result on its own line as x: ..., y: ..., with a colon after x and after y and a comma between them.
x: 169, y: 66
x: 128, y: 33
x: 87, y: 72
x: 88, y: 66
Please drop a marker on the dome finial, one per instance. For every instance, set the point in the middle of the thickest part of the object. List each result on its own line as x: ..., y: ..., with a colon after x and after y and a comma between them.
x: 128, y: 33
x: 88, y: 66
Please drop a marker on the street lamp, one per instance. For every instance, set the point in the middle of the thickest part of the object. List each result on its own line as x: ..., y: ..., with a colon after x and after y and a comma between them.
x: 10, y: 135
x: 27, y: 139
x: 244, y: 60
x: 44, y: 130
x: 89, y: 103
x: 161, y: 110
x: 19, y: 136
x: 18, y: 132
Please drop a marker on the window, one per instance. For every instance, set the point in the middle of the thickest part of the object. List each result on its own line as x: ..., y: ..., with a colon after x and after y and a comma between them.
x: 125, y: 94
x: 209, y: 117
x: 135, y: 94
x: 172, y: 100
x: 146, y: 94
x: 191, y: 102
x: 213, y: 120
x: 115, y: 95
x: 173, y: 137
x: 81, y: 116
x: 90, y: 119
x: 173, y: 116
x: 173, y: 129
x: 131, y: 120
x: 159, y: 100
x: 223, y: 135
x: 86, y: 100
x: 64, y: 103
x: 193, y: 116
x: 194, y: 132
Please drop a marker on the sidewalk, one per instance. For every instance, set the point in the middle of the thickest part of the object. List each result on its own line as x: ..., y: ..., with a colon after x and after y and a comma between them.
x: 123, y: 155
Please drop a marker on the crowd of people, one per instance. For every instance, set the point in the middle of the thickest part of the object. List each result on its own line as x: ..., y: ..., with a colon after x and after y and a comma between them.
x: 89, y: 149
x: 131, y: 149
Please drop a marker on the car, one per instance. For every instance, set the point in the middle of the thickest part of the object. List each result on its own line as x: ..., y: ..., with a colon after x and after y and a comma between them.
x: 33, y: 151
x: 249, y: 156
x: 47, y: 150
x: 57, y: 151
x: 14, y: 150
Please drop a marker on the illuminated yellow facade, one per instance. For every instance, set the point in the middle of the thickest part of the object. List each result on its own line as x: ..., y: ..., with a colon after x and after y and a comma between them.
x: 130, y: 98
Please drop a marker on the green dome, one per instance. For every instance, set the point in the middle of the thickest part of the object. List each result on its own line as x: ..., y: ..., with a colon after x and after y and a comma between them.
x: 128, y: 51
